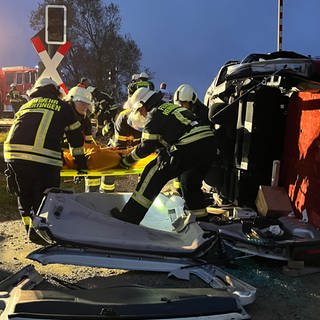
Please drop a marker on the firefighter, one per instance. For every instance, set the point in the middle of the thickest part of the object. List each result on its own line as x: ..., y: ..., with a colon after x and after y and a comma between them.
x: 143, y: 81
x: 127, y: 131
x: 186, y: 97
x: 32, y: 149
x: 104, y: 111
x: 185, y: 148
x: 15, y: 98
x: 125, y: 136
x: 80, y: 100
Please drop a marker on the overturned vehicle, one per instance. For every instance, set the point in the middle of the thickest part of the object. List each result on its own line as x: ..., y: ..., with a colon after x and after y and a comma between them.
x: 264, y: 109
x: 254, y: 104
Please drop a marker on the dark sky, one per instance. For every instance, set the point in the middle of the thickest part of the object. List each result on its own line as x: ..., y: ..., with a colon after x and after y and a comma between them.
x: 184, y: 41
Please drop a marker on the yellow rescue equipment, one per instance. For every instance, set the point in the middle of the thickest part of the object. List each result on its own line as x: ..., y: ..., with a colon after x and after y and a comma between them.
x: 103, y: 158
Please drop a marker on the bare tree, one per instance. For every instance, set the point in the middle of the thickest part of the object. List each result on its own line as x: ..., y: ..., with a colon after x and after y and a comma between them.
x: 99, y: 52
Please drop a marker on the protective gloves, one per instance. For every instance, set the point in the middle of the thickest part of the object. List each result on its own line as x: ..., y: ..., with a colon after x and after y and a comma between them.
x: 124, y: 163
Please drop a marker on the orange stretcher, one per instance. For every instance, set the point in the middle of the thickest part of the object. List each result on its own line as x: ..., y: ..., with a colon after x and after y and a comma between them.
x: 102, y: 161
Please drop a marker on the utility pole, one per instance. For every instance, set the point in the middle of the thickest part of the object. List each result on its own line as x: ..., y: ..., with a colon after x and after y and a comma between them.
x: 280, y: 17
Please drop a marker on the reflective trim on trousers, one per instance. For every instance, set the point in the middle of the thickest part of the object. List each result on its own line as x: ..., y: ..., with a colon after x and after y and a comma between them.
x: 138, y: 194
x: 27, y: 221
x: 143, y: 201
x: 107, y: 187
x: 92, y: 182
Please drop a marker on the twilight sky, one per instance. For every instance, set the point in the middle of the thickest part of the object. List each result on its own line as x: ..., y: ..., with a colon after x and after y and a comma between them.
x: 184, y: 41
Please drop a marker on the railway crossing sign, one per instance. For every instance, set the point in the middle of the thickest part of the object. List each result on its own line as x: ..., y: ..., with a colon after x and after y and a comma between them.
x: 54, y: 33
x: 51, y: 64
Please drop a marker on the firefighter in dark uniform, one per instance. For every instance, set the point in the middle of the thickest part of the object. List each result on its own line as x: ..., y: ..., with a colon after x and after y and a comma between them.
x: 125, y: 136
x: 142, y: 82
x: 186, y: 97
x: 32, y: 149
x: 184, y: 146
x: 80, y: 100
x: 104, y: 111
x: 15, y: 98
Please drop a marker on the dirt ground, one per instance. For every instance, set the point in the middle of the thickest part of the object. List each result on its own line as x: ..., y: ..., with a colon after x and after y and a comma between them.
x: 279, y: 296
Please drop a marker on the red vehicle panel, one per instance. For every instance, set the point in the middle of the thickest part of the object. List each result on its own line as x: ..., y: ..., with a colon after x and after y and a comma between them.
x: 23, y: 77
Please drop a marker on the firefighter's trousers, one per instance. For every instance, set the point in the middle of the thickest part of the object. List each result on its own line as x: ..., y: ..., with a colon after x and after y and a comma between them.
x: 31, y: 180
x: 102, y: 184
x: 189, y: 162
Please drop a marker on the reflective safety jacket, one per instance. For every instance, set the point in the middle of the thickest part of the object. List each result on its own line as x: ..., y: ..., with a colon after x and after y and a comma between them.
x: 124, y: 135
x: 37, y: 132
x: 169, y: 126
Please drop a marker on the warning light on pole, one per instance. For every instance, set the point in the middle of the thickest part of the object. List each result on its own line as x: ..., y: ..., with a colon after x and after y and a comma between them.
x: 56, y: 24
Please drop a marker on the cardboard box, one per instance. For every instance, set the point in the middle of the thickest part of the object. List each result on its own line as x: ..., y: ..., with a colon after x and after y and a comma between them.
x: 273, y: 201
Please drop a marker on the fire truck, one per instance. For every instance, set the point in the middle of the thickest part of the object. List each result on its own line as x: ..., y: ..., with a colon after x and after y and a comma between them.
x: 22, y: 77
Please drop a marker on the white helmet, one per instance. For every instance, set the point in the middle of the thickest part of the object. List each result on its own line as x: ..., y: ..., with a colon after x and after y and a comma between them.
x: 42, y: 82
x: 140, y: 95
x: 79, y: 94
x: 135, y: 76
x: 144, y: 75
x: 185, y: 93
x: 135, y: 118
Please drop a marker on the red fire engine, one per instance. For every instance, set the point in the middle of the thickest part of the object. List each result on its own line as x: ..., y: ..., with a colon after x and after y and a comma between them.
x: 22, y: 77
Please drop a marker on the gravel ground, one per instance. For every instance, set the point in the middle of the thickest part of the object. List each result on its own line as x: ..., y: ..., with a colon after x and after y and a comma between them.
x: 278, y: 295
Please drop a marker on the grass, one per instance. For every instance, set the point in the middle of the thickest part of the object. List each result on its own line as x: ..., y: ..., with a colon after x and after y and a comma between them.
x: 8, y: 202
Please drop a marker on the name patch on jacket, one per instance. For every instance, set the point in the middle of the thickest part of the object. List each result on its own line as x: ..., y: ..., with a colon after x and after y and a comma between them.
x: 45, y: 103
